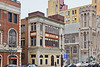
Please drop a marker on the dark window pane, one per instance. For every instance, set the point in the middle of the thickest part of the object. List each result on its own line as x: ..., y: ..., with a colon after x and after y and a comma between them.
x: 33, y: 55
x: 46, y: 56
x: 40, y: 41
x: 33, y: 61
x: 46, y: 61
x: 41, y: 56
x: 57, y: 61
x: 41, y: 61
x: 15, y: 18
x: 9, y: 17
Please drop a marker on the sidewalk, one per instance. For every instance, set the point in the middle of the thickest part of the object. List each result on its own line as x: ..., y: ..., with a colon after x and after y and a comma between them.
x: 50, y: 66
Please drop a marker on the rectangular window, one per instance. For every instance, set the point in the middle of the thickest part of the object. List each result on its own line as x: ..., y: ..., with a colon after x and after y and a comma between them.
x: 75, y: 11
x: 33, y: 27
x: 68, y: 12
x: 33, y: 56
x: 22, y: 28
x: 75, y: 17
x: 56, y: 9
x: 57, y: 61
x: 72, y: 18
x: 46, y: 56
x: 74, y: 49
x: 95, y: 1
x: 67, y: 41
x: 15, y: 18
x: 23, y: 43
x: 9, y: 17
x: 41, y: 61
x: 41, y: 27
x: 33, y: 41
x: 68, y: 19
x: 72, y: 11
x: 40, y: 41
x: 46, y: 61
x: 67, y: 50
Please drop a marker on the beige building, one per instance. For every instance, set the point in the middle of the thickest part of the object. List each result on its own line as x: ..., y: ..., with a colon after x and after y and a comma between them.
x: 83, y: 37
x: 70, y: 15
x: 44, y: 40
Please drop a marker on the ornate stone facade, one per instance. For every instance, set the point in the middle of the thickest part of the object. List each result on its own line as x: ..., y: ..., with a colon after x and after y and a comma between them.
x: 87, y: 33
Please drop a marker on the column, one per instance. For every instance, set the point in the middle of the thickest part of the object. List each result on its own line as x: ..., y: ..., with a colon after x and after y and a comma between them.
x: 80, y: 46
x: 29, y: 57
x: 38, y: 34
x: 90, y: 19
x: 29, y: 40
x: 60, y: 32
x: 38, y: 54
x: 43, y: 35
x: 83, y: 20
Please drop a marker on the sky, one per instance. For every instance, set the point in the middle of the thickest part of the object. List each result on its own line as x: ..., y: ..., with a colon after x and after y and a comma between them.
x: 28, y: 6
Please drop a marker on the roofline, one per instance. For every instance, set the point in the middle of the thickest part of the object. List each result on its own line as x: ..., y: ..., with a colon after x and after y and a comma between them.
x: 46, y: 18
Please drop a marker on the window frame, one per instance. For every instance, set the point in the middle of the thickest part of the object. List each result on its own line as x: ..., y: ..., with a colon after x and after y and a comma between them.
x: 15, y: 20
x: 10, y: 17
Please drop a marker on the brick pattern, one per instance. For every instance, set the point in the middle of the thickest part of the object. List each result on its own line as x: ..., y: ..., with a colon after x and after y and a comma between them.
x: 11, y: 3
x: 25, y: 35
x: 5, y: 27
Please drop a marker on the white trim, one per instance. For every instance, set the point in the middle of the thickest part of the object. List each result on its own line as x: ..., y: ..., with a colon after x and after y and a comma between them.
x: 72, y: 43
x: 1, y: 37
x: 1, y: 60
x: 9, y: 8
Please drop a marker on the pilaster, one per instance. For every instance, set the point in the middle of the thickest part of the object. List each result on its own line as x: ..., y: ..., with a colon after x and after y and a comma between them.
x: 38, y: 34
x: 43, y: 35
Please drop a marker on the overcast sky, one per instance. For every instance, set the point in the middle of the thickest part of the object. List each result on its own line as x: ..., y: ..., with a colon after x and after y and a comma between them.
x: 28, y: 6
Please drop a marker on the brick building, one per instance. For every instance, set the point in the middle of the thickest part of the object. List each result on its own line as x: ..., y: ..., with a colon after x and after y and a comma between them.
x: 10, y: 50
x: 41, y: 39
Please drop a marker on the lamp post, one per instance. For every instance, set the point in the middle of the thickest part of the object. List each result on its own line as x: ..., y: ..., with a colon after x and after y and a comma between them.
x: 61, y: 52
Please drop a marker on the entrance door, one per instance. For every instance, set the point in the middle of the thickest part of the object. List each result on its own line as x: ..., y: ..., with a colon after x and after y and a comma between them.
x: 33, y: 61
x: 52, y: 60
x: 13, y: 59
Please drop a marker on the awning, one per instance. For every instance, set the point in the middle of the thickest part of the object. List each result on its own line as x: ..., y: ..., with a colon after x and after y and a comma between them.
x: 12, y: 57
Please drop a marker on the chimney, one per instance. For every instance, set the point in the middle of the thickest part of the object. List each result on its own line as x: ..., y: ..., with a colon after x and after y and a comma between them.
x: 36, y: 13
x: 57, y: 17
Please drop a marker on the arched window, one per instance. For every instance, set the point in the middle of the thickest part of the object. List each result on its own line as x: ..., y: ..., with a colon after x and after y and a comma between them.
x: 12, y: 38
x: 75, y: 49
x: 85, y: 22
x: 85, y: 40
x: 73, y: 39
x: 41, y: 56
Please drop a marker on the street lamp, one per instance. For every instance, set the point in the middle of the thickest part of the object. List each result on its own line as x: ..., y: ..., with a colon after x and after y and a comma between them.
x: 61, y: 52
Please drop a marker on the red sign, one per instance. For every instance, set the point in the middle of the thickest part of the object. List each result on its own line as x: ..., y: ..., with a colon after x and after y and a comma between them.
x: 12, y: 57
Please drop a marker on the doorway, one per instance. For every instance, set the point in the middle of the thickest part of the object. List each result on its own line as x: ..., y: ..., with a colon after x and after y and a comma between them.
x: 52, y: 60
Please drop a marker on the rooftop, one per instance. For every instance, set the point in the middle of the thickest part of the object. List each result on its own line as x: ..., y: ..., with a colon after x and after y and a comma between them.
x: 72, y: 28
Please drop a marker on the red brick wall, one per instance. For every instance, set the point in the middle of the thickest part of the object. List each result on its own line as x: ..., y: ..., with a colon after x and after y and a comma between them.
x: 25, y: 35
x: 6, y: 26
x: 5, y: 57
x: 11, y: 3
